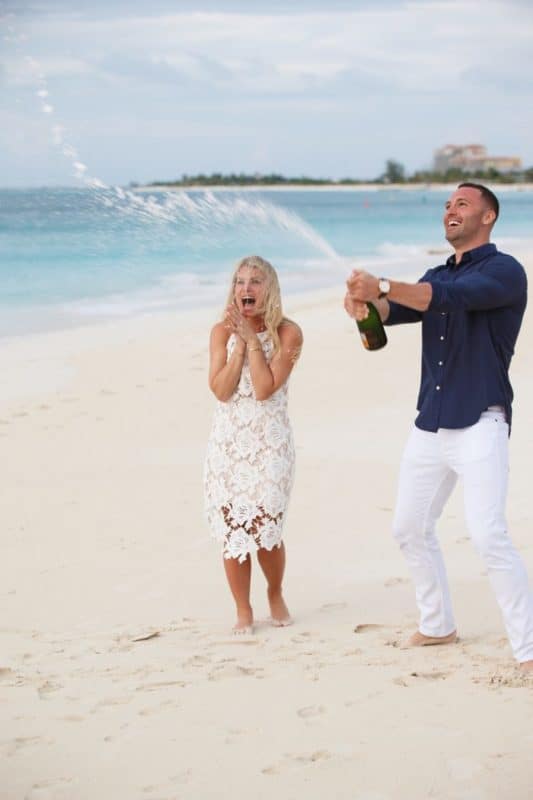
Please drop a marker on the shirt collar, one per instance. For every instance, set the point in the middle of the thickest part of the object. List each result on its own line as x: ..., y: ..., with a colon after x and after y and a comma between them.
x: 472, y: 255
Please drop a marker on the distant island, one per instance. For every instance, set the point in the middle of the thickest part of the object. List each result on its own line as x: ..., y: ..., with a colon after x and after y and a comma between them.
x: 394, y: 173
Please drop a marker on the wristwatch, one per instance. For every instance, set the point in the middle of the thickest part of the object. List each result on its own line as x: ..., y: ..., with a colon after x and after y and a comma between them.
x: 384, y: 287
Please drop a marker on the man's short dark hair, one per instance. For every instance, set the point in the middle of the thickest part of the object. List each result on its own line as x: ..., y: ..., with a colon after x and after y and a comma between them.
x: 489, y: 197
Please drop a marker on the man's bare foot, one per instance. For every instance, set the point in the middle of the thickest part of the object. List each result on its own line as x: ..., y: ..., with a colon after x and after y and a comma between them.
x: 279, y: 613
x: 527, y: 666
x: 421, y: 640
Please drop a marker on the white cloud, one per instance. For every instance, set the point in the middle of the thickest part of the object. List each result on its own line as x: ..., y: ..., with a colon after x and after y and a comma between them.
x: 415, y: 45
x: 386, y: 79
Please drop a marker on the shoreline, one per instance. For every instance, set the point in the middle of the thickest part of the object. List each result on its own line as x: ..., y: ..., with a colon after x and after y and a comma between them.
x: 328, y: 187
x: 44, y: 320
x: 172, y: 288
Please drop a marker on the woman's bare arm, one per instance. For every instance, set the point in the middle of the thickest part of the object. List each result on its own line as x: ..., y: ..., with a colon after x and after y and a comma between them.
x: 268, y: 377
x: 224, y: 372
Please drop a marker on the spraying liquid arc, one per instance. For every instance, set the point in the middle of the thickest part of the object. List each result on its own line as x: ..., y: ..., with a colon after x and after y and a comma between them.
x: 203, y: 210
x: 101, y: 252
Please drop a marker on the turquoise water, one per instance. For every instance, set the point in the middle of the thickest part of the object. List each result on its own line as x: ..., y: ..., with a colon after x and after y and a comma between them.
x: 71, y: 255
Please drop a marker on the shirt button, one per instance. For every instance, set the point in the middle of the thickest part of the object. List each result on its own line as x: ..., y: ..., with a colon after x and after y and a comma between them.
x: 438, y: 388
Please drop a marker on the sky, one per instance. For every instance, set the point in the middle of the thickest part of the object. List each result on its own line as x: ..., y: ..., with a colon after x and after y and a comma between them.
x: 128, y: 91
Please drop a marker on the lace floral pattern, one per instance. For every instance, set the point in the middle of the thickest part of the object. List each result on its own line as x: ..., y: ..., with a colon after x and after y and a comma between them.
x: 249, y: 467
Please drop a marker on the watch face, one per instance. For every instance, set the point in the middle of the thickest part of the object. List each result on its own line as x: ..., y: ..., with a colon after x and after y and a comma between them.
x: 384, y: 286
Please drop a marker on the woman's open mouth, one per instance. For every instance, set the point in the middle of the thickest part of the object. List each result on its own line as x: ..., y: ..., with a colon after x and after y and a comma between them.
x: 248, y: 302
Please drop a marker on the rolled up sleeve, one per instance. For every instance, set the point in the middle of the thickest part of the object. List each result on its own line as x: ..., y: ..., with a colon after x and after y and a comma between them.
x: 497, y: 284
x: 401, y: 314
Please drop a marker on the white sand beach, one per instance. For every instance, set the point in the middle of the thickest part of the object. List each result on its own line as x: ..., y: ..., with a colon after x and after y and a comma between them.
x: 119, y: 679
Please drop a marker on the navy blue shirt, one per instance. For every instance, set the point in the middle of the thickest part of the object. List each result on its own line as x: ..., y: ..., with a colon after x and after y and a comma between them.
x: 468, y: 337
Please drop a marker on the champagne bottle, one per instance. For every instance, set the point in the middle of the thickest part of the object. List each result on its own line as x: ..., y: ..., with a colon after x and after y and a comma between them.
x: 371, y: 329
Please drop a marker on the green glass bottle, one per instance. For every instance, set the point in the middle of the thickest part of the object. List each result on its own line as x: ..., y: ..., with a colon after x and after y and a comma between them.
x: 371, y: 329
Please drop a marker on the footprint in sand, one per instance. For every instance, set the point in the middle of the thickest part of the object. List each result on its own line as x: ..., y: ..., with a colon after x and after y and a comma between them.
x: 430, y: 676
x: 302, y: 637
x: 111, y: 701
x: 395, y: 581
x: 184, y: 626
x: 514, y: 680
x: 125, y: 642
x: 49, y: 790
x: 354, y: 651
x: 156, y: 686
x: 47, y: 688
x: 245, y: 639
x: 400, y: 682
x: 364, y: 627
x: 21, y: 742
x: 151, y: 710
x: 237, y: 731
x: 222, y: 671
x: 296, y: 761
x: 311, y: 711
x: 166, y: 792
x: 197, y: 661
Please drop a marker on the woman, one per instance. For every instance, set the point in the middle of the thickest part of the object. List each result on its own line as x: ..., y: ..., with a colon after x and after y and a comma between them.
x: 250, y: 457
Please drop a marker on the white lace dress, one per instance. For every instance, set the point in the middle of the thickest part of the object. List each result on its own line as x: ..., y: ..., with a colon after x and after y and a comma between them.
x: 249, y: 466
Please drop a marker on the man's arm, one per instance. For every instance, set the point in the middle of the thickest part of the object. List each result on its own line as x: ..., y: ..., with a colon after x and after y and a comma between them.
x: 413, y: 295
x: 364, y: 288
x: 501, y: 283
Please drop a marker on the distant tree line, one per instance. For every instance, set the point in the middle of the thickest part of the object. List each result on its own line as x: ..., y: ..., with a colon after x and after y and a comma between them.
x: 394, y: 172
x: 245, y: 179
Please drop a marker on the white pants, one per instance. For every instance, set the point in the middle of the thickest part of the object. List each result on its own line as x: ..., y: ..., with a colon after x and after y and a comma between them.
x: 430, y: 466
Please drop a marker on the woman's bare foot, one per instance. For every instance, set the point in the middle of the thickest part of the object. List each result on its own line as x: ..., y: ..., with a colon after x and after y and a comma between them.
x: 527, y: 666
x: 279, y: 613
x: 245, y: 622
x: 421, y: 640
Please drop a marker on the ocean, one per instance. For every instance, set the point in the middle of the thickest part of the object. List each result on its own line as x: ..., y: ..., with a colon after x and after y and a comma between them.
x: 72, y: 256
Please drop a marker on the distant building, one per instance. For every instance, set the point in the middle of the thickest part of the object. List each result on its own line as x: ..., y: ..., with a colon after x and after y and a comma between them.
x: 471, y: 158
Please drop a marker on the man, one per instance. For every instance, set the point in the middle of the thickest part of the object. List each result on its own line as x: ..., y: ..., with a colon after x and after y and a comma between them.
x: 471, y: 309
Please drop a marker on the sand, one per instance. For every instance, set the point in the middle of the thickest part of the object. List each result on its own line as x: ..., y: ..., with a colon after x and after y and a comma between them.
x: 119, y: 679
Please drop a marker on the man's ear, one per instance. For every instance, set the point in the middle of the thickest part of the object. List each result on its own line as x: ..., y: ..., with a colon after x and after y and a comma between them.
x: 489, y: 217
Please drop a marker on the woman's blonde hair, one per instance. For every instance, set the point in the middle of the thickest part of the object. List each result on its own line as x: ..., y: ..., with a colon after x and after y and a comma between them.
x: 272, y: 311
